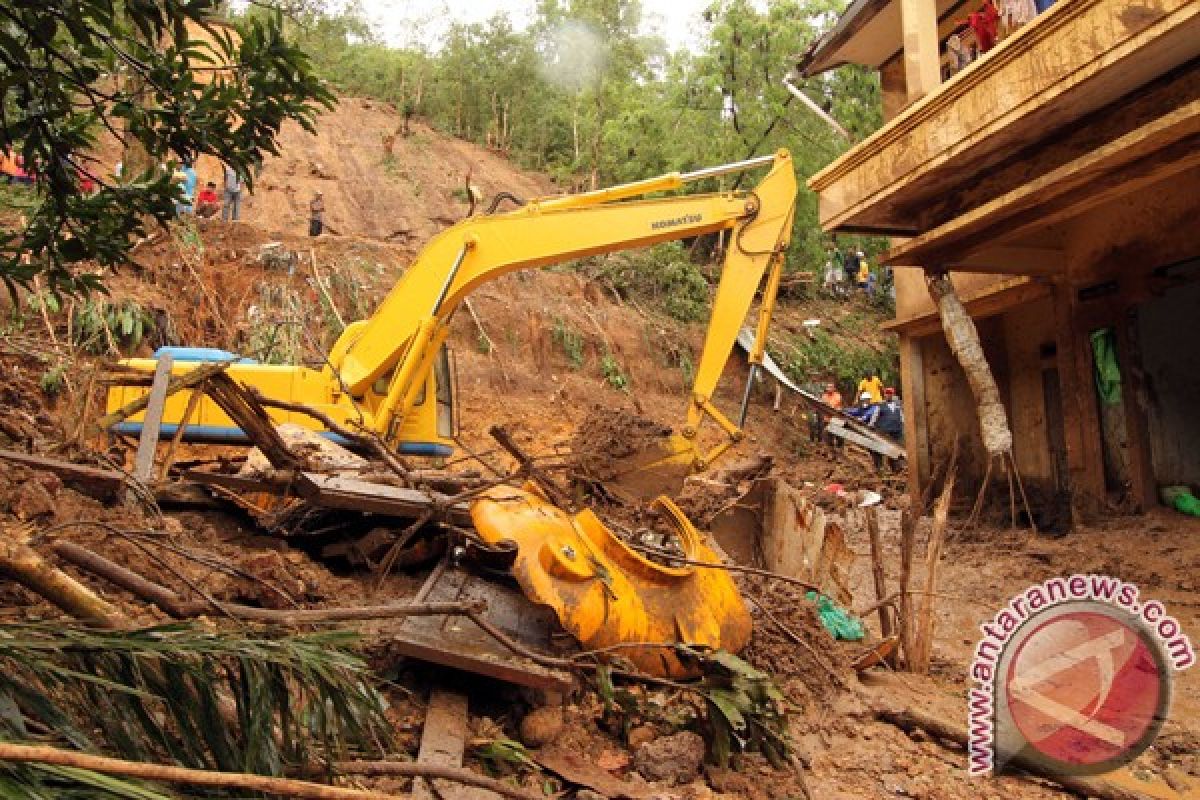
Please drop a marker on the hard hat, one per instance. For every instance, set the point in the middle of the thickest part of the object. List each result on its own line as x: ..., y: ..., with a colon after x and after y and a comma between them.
x: 889, y: 390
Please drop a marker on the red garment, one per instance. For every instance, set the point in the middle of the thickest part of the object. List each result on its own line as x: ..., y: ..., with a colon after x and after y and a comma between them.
x: 985, y: 22
x: 207, y: 196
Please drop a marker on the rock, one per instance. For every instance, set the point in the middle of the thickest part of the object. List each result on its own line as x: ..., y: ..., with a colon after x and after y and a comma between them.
x: 542, y: 725
x: 588, y: 794
x: 642, y: 734
x: 674, y: 759
x: 31, y: 500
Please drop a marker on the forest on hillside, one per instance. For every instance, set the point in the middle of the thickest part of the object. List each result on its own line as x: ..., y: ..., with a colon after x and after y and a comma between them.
x: 582, y: 94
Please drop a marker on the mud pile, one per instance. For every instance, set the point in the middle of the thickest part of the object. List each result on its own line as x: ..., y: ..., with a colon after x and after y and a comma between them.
x: 804, y: 659
x: 607, y: 437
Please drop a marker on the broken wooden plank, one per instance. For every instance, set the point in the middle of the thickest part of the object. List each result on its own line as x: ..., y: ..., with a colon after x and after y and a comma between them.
x: 443, y: 744
x: 881, y: 594
x: 581, y: 769
x: 330, y: 491
x: 143, y: 462
x: 459, y: 643
x: 241, y: 406
x: 93, y: 481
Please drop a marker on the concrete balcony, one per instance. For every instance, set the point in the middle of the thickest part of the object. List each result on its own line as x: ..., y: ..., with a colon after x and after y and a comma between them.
x: 1091, y: 98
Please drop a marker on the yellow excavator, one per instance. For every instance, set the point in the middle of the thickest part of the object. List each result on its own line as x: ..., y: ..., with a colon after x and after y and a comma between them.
x: 390, y: 374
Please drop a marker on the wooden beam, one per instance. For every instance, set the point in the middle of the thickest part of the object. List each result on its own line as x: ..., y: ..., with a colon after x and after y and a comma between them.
x: 994, y: 299
x: 184, y: 381
x: 1085, y: 459
x: 1064, y: 65
x: 1162, y: 148
x: 443, y: 738
x: 99, y: 483
x: 922, y: 61
x: 330, y: 491
x: 916, y: 427
x: 143, y: 462
x: 953, y: 196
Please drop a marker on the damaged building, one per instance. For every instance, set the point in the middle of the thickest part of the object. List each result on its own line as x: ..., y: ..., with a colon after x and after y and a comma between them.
x: 1048, y: 158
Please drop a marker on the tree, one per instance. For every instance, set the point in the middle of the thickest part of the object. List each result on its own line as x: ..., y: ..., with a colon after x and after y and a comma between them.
x: 166, y: 76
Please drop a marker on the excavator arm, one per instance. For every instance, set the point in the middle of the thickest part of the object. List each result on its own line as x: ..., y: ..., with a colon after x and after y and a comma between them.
x: 383, y: 371
x: 401, y: 340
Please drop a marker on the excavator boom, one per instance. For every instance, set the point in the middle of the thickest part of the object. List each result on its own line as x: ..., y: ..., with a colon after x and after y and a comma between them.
x: 383, y: 372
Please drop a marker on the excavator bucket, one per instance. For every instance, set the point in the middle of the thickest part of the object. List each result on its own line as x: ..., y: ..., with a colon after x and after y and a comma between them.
x: 632, y: 456
x: 607, y: 595
x: 659, y: 468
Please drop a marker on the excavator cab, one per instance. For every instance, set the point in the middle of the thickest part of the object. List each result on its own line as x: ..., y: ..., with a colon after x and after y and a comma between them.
x: 429, y: 429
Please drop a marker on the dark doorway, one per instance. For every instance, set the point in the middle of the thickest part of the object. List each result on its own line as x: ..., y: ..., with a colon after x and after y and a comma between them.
x: 1169, y: 347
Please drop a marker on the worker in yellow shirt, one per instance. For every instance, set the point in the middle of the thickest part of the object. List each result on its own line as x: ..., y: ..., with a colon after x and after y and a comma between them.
x: 872, y: 386
x: 864, y: 271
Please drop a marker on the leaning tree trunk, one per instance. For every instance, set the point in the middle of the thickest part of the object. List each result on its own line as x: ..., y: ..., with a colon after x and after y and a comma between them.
x: 963, y: 338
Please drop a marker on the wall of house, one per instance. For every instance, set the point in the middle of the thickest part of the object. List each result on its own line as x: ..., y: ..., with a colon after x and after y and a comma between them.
x: 1113, y: 252
x: 1030, y: 350
x: 913, y: 300
x: 1019, y: 346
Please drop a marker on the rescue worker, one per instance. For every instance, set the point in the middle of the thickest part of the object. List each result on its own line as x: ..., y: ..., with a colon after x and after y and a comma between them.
x: 890, y: 417
x: 867, y: 410
x: 873, y: 386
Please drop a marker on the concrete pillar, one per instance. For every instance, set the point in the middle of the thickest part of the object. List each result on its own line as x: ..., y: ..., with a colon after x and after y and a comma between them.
x: 922, y: 61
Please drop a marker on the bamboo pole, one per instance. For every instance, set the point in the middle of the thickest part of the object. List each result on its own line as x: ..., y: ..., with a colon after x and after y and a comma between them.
x: 163, y: 773
x: 26, y: 566
x: 923, y: 640
x: 881, y: 594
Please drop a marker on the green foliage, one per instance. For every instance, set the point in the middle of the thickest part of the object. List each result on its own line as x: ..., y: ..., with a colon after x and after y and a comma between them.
x: 662, y: 276
x: 101, y: 326
x: 72, y: 69
x: 570, y: 340
x: 613, y: 374
x: 818, y: 356
x: 482, y: 343
x: 155, y: 695
x: 501, y: 752
x: 582, y: 94
x: 744, y: 710
x: 54, y: 379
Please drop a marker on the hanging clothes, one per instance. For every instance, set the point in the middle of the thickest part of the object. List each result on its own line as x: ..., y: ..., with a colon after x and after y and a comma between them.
x: 957, y: 52
x: 1018, y: 12
x: 1107, y: 370
x: 985, y: 23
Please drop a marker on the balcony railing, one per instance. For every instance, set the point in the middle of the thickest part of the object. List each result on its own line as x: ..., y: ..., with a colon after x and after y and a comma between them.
x: 1035, y: 87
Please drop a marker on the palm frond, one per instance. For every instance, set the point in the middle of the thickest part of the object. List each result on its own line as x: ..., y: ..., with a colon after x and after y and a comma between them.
x: 248, y: 701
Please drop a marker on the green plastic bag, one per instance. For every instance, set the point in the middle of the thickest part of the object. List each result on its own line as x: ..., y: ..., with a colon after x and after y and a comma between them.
x: 837, y: 620
x: 1181, y: 499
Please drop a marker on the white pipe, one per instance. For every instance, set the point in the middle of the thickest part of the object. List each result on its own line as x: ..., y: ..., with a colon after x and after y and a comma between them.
x: 816, y: 109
